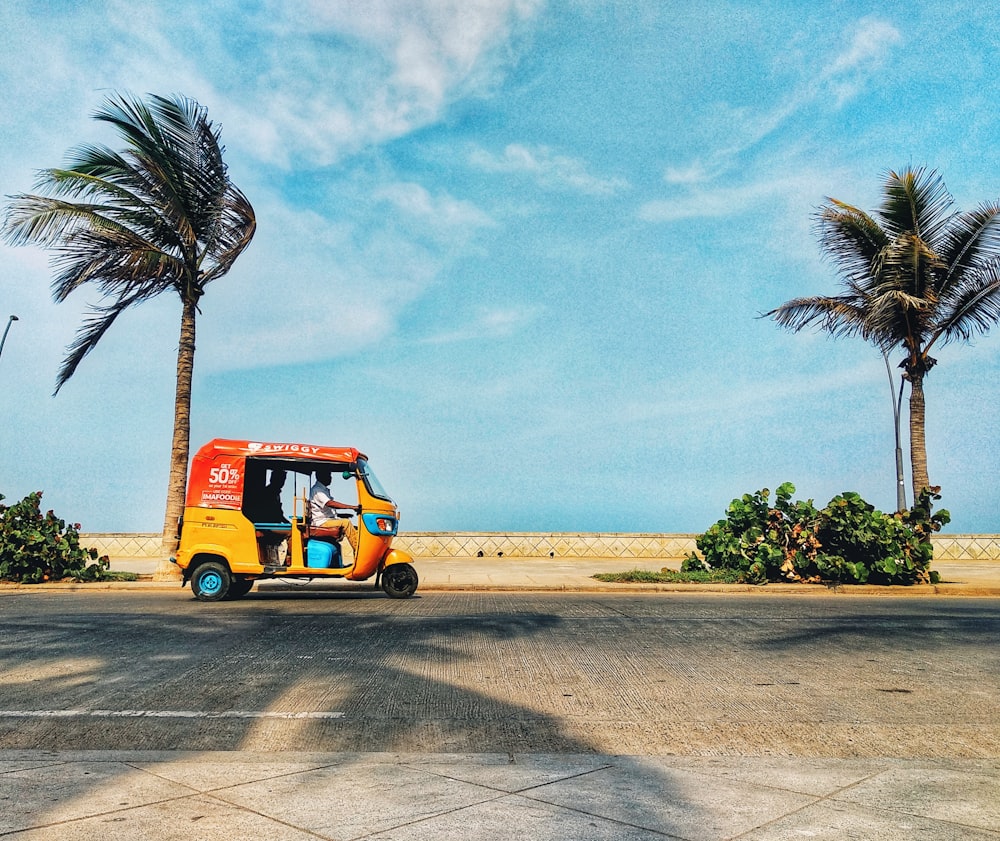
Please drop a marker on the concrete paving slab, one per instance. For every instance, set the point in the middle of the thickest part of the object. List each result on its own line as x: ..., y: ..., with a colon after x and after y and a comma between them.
x: 655, y: 795
x: 197, y: 818
x: 829, y: 821
x: 508, y: 773
x: 516, y: 817
x: 68, y: 791
x: 355, y: 798
x: 820, y: 777
x: 958, y: 797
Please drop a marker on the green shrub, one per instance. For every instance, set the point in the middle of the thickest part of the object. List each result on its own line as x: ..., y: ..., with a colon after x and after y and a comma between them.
x: 35, y: 548
x: 848, y: 541
x: 761, y: 542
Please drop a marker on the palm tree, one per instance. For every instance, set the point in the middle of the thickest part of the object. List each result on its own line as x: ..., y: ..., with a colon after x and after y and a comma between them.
x: 161, y: 215
x: 915, y: 275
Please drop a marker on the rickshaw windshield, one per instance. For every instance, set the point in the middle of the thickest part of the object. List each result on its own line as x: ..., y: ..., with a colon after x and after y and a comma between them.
x: 372, y: 483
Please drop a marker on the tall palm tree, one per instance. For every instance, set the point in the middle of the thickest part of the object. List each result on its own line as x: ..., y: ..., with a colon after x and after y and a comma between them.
x: 915, y: 275
x: 161, y: 215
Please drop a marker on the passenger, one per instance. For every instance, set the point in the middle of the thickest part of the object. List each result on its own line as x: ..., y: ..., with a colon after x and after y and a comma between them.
x: 263, y: 508
x: 253, y: 492
x: 322, y: 505
x: 270, y: 506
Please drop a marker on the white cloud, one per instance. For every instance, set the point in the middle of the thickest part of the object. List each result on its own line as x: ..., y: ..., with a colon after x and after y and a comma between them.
x: 847, y: 75
x: 437, y: 211
x: 695, y: 172
x: 841, y: 79
x: 324, y: 289
x: 547, y: 168
x: 716, y: 201
x: 873, y: 39
x: 352, y: 78
x: 301, y: 80
x: 489, y: 324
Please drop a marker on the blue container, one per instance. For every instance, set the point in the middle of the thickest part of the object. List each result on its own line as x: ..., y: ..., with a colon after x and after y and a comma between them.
x: 322, y: 555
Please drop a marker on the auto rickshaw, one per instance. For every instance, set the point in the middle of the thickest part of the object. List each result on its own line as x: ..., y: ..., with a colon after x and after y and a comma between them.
x: 234, y: 530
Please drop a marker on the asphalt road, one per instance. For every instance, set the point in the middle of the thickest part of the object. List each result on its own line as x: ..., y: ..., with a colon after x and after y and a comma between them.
x: 477, y: 672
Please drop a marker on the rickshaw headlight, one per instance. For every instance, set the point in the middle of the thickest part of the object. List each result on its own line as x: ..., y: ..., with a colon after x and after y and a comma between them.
x: 380, y: 524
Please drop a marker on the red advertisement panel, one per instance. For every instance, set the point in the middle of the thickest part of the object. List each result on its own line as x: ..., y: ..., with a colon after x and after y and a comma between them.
x: 218, y: 469
x: 222, y: 484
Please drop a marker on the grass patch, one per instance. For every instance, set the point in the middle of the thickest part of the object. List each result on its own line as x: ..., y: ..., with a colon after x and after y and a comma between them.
x: 104, y: 575
x: 672, y: 576
x: 116, y: 575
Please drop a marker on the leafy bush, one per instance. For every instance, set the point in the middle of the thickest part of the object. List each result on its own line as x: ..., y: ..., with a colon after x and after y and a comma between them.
x: 35, y: 548
x: 848, y: 541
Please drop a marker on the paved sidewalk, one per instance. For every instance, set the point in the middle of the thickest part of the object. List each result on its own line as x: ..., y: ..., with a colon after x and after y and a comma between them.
x: 417, y: 797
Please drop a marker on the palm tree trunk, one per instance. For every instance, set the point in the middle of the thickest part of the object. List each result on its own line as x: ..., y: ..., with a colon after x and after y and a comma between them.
x: 180, y: 447
x: 918, y: 447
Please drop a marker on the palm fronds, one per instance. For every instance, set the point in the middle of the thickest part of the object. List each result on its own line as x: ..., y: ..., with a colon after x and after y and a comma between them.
x: 914, y: 273
x: 161, y: 214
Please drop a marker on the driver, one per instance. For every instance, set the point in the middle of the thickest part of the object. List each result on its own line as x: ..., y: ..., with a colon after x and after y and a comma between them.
x: 322, y: 506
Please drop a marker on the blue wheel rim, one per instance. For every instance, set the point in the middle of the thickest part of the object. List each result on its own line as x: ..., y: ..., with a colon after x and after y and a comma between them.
x: 210, y: 583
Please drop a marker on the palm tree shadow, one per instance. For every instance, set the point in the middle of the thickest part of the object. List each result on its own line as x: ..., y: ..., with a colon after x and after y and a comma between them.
x: 378, y: 676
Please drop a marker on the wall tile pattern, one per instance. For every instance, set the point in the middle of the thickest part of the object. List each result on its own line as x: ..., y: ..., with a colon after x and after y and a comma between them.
x: 953, y: 547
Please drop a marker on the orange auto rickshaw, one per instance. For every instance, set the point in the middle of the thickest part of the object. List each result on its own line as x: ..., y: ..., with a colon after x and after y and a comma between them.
x: 242, y: 524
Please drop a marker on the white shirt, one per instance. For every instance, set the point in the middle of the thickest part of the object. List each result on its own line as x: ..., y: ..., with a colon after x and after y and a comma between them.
x: 318, y: 497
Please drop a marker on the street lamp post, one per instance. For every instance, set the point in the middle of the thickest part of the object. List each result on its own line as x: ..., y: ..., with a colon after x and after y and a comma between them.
x: 896, y: 406
x: 6, y: 330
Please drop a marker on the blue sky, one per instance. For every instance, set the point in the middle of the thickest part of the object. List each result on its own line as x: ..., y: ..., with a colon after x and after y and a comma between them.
x: 515, y: 250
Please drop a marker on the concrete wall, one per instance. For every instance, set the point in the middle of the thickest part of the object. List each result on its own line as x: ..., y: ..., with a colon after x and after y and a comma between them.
x: 954, y: 547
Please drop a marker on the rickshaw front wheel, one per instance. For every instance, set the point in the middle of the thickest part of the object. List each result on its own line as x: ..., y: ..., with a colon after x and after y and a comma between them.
x: 399, y: 581
x: 211, y: 581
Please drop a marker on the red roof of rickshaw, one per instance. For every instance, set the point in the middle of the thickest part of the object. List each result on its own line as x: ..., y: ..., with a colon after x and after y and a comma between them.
x: 270, y: 449
x: 218, y: 469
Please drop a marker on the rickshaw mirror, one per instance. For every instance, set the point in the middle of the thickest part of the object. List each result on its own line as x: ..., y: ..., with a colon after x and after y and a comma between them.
x: 348, y: 474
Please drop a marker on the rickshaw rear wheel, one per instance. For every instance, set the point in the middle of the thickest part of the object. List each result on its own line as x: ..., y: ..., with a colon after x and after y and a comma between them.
x: 399, y: 581
x: 240, y: 587
x: 211, y: 581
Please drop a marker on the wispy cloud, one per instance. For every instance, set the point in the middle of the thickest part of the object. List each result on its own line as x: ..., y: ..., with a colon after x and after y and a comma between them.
x: 695, y: 172
x: 840, y: 79
x: 869, y: 47
x: 848, y: 73
x: 353, y: 79
x: 304, y: 81
x: 489, y: 324
x: 440, y: 211
x: 343, y: 287
x: 547, y: 168
x: 715, y: 201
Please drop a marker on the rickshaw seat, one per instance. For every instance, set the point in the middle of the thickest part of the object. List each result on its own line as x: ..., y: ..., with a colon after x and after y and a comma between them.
x: 326, y: 534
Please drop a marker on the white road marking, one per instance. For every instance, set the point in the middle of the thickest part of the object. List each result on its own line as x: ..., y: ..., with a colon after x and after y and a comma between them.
x: 166, y: 714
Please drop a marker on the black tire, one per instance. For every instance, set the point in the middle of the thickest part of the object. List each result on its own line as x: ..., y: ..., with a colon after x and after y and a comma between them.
x: 399, y: 581
x: 211, y: 581
x: 240, y: 587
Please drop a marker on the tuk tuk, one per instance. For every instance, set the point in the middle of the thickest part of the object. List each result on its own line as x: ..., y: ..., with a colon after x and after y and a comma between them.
x: 241, y: 524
